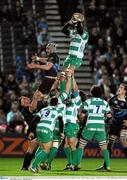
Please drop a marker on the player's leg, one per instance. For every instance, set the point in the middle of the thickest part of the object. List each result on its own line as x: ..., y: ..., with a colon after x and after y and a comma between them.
x: 106, y: 156
x: 82, y: 143
x: 41, y: 155
x: 32, y: 145
x: 86, y: 136
x: 113, y: 134
x: 71, y: 135
x: 44, y: 137
x: 100, y: 136
x: 72, y: 143
x: 52, y: 153
x: 68, y: 154
x: 123, y: 137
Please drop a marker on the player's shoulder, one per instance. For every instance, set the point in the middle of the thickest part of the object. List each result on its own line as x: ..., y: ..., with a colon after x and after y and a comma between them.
x: 88, y: 101
x: 105, y: 102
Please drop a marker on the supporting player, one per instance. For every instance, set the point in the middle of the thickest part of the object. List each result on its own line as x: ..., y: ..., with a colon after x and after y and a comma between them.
x: 96, y: 109
x: 45, y: 129
x: 72, y: 127
x: 57, y: 139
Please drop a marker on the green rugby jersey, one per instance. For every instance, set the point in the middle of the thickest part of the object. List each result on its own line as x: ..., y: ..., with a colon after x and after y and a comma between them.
x: 62, y: 97
x: 96, y: 109
x: 77, y: 44
x: 62, y: 109
x: 48, y: 117
x: 72, y: 110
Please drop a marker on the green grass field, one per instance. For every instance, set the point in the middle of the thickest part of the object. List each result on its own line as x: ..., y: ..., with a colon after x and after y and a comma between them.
x: 12, y: 166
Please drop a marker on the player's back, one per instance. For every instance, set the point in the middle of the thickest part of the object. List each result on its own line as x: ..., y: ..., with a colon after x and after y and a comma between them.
x: 96, y: 109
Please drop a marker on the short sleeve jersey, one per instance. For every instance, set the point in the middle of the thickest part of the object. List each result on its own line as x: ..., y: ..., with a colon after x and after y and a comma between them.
x: 96, y: 109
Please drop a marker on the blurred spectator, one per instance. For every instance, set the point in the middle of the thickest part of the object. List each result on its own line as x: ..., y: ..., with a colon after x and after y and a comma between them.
x: 92, y: 13
x: 17, y: 11
x: 105, y: 86
x: 106, y: 21
x: 9, y: 97
x: 94, y: 37
x: 101, y: 46
x: 3, y: 123
x: 24, y: 87
x: 42, y: 24
x: 43, y: 38
x: 5, y: 14
x: 15, y: 120
x: 67, y: 8
x: 11, y: 83
x: 20, y: 68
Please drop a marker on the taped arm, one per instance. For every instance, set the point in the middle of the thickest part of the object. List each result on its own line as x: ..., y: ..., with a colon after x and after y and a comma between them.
x: 65, y: 29
x: 61, y: 124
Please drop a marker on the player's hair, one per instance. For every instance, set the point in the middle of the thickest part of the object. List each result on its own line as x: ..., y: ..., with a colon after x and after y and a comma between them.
x: 51, y: 46
x: 125, y: 86
x: 96, y: 91
x: 68, y: 102
x: 82, y: 95
x: 53, y: 92
x: 54, y: 101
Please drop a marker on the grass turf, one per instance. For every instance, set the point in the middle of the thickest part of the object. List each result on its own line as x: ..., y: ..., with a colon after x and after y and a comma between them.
x: 12, y: 166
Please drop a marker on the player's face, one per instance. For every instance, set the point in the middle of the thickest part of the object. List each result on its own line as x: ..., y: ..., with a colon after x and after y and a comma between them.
x: 121, y: 90
x: 25, y: 101
x: 48, y: 51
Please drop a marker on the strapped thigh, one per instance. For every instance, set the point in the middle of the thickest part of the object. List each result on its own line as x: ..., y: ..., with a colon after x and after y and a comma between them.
x: 83, y: 141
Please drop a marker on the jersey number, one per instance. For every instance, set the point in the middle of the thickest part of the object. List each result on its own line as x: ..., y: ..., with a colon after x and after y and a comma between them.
x: 47, y: 113
x: 97, y: 109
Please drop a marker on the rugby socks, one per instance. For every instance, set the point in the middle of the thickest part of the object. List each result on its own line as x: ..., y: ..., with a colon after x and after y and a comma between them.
x: 125, y: 152
x: 39, y: 149
x: 27, y: 160
x: 40, y: 156
x: 106, y: 157
x: 52, y: 155
x: 79, y: 155
x: 67, y: 151
x: 74, y: 157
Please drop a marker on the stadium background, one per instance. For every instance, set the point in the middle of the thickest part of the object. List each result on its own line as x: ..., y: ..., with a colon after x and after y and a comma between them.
x: 105, y: 57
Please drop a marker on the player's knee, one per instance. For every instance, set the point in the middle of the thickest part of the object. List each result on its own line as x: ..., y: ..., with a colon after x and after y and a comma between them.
x: 55, y: 144
x: 123, y: 137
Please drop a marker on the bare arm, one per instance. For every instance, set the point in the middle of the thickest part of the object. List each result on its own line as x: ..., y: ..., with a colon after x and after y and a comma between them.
x: 36, y: 97
x: 40, y: 59
x: 46, y: 67
x: 74, y: 85
x: 55, y: 84
x: 68, y: 81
